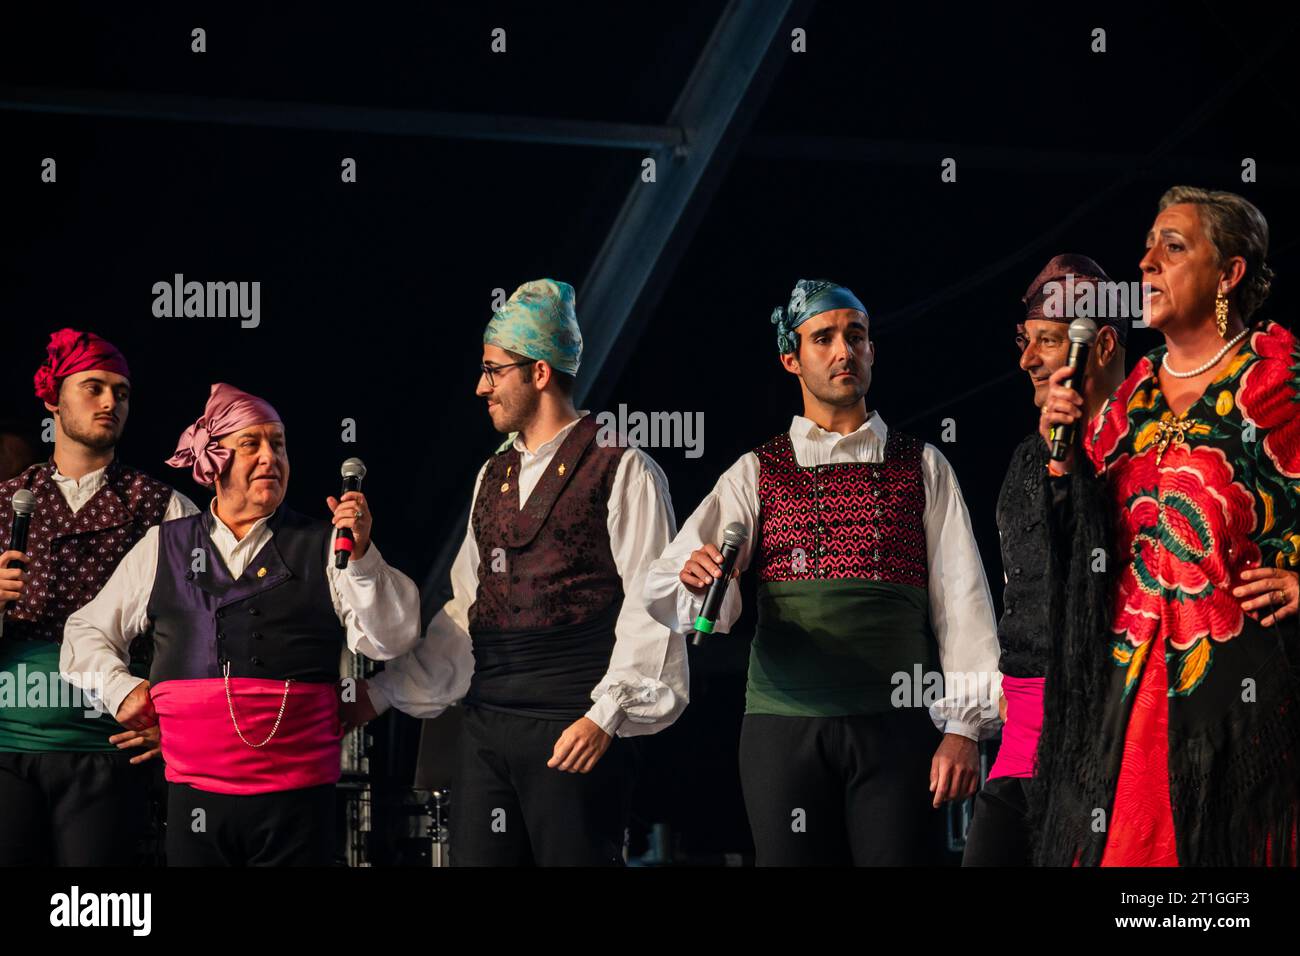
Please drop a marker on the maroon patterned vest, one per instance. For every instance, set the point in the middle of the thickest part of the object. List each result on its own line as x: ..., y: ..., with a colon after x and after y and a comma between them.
x: 549, y: 564
x: 849, y: 520
x: 73, y: 555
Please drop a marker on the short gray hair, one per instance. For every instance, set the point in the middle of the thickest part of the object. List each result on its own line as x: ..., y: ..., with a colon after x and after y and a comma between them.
x: 1235, y: 228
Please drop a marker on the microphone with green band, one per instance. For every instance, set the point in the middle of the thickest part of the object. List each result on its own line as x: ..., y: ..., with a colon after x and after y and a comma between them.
x: 733, y: 536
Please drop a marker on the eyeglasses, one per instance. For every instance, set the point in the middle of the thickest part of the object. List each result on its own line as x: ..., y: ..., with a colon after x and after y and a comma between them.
x: 1041, y: 340
x: 491, y: 370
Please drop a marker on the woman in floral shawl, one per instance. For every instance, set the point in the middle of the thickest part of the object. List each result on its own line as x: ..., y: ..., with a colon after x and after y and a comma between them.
x: 1172, y: 732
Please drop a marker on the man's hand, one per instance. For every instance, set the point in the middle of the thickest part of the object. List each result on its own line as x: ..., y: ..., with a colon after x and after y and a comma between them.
x: 579, y: 747
x: 136, y: 712
x: 12, y: 580
x: 353, y: 511
x: 954, y: 771
x: 354, y: 714
x: 701, y: 568
x: 150, y: 738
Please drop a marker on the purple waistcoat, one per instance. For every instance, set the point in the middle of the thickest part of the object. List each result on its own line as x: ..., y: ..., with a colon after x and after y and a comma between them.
x: 73, y: 555
x: 277, y: 621
x: 275, y: 630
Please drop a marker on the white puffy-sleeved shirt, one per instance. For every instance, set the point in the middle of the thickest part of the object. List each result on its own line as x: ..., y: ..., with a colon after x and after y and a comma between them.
x: 646, y: 686
x: 378, y: 606
x: 961, y: 608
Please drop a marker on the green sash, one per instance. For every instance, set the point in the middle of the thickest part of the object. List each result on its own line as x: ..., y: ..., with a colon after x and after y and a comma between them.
x: 41, y: 712
x: 831, y: 648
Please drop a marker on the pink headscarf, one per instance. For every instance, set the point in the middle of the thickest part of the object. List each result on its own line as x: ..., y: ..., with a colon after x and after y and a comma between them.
x: 70, y: 351
x: 228, y: 410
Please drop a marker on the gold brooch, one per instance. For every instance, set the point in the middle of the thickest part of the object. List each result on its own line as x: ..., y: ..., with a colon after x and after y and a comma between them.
x: 505, y: 486
x: 261, y: 572
x: 1171, y: 431
x: 561, y: 470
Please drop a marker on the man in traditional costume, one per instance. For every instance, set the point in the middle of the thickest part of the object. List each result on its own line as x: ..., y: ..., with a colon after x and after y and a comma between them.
x: 72, y: 788
x: 869, y: 583
x: 249, y: 617
x: 1000, y: 830
x: 545, y: 639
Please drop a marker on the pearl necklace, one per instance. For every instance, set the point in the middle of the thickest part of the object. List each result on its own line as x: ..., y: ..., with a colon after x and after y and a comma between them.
x: 1202, y: 369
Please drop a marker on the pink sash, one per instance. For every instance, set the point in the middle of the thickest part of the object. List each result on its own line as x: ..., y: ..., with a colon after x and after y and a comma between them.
x: 201, y: 747
x: 1023, y: 725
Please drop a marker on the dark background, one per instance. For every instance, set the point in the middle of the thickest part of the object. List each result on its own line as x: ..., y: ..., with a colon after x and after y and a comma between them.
x: 375, y: 294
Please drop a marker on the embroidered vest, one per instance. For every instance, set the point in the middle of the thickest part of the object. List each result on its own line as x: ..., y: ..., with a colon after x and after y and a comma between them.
x: 843, y: 606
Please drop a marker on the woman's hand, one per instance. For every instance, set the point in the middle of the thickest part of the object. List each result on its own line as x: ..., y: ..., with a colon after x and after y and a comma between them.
x: 1269, y: 589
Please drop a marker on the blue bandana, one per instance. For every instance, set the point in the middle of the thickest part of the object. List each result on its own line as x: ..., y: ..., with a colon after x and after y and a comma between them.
x: 810, y: 297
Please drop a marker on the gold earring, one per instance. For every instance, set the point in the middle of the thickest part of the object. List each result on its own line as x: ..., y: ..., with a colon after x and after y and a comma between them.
x: 1221, y: 315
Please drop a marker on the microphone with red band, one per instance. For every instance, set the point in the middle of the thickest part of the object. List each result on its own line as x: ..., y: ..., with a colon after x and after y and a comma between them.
x: 353, y: 471
x: 24, y: 505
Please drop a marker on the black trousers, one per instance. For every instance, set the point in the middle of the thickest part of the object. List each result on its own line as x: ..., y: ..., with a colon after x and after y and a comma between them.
x: 510, y: 809
x: 827, y: 791
x: 286, y: 828
x: 999, y: 829
x: 71, y: 809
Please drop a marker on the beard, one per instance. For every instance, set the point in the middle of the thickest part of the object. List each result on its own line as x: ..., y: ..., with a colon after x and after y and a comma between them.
x: 836, y: 394
x: 96, y: 439
x: 516, y: 410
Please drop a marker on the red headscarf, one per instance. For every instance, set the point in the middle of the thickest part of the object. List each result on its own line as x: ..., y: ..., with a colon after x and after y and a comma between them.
x: 69, y: 352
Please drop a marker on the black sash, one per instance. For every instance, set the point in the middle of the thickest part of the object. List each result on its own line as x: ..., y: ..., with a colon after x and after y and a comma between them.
x: 548, y: 674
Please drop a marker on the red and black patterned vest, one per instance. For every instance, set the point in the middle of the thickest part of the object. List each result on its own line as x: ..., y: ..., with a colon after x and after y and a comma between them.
x: 849, y: 520
x: 842, y: 602
x: 73, y: 555
x: 548, y: 564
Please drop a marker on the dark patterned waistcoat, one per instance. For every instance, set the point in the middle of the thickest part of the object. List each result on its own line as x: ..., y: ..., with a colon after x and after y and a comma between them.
x: 73, y: 555
x: 550, y: 562
x: 549, y: 592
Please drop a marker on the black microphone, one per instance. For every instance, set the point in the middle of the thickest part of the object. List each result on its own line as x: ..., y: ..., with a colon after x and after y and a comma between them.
x: 733, y: 536
x: 24, y: 505
x: 1083, y: 332
x: 353, y: 471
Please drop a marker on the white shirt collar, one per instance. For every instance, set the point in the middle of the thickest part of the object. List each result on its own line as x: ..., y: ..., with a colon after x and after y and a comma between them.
x: 78, y: 491
x: 872, y: 431
x: 219, y: 527
x: 89, y: 478
x: 548, y: 446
